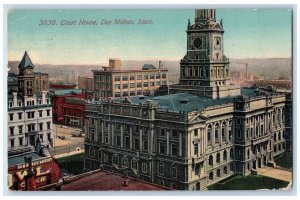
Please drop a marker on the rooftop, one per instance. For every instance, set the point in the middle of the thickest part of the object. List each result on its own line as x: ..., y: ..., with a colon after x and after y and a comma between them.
x: 104, y: 180
x: 67, y: 91
x: 19, y: 159
x: 26, y: 62
x: 185, y: 102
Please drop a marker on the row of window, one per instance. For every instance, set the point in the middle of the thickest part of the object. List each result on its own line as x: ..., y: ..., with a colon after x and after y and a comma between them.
x: 30, y: 128
x: 140, y: 77
x: 30, y: 115
x: 139, y: 85
x: 218, y: 157
x: 21, y: 140
x: 28, y: 103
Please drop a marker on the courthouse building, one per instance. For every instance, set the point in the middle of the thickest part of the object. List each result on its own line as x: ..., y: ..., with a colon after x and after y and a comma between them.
x: 29, y: 109
x: 112, y: 81
x: 204, y: 131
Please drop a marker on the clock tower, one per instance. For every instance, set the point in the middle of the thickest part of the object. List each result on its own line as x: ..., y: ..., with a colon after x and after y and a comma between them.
x: 26, y: 79
x: 204, y: 70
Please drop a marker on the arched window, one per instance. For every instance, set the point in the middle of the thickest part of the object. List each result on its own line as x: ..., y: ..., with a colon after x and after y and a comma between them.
x: 248, y: 153
x: 125, y: 162
x: 191, y: 72
x: 223, y: 130
x: 209, y: 134
x: 211, y: 175
x: 183, y: 72
x: 134, y: 164
x: 210, y: 160
x: 218, y: 172
x: 217, y: 132
x: 174, y: 171
x: 92, y: 151
x: 225, y: 155
x: 218, y: 158
x: 115, y: 160
x: 225, y: 170
x: 231, y: 153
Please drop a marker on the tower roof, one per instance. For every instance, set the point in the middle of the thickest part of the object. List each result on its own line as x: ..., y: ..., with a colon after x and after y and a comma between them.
x: 26, y: 62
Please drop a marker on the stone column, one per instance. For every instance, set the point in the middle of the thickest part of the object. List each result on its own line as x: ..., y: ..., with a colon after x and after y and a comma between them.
x: 112, y: 131
x: 168, y: 142
x: 141, y: 139
x: 180, y: 143
x: 102, y: 136
x: 122, y: 136
x: 109, y: 134
x: 130, y: 138
x: 213, y: 135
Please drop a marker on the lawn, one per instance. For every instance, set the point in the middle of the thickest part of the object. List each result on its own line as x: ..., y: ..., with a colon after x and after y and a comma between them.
x: 284, y: 160
x: 250, y: 182
x: 73, y: 164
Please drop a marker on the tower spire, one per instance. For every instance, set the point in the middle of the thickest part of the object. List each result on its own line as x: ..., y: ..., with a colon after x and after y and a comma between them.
x: 205, y: 15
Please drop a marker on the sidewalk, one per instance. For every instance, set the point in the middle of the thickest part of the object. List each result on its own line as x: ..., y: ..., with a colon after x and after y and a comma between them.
x: 68, y: 154
x: 275, y: 173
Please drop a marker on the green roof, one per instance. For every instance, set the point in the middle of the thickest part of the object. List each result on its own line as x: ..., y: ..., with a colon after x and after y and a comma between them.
x: 185, y: 102
x: 26, y: 62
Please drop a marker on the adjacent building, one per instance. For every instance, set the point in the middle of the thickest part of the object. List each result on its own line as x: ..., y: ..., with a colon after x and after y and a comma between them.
x: 204, y: 131
x: 68, y: 107
x: 113, y: 82
x: 29, y: 110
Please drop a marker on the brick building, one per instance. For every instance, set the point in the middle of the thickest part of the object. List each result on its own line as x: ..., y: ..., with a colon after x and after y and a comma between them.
x: 68, y: 107
x: 113, y: 82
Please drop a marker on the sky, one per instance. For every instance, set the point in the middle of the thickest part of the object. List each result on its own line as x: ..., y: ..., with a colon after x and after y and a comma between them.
x: 249, y: 33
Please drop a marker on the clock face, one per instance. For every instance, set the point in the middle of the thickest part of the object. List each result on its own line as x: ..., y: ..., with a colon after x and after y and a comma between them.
x: 197, y: 43
x: 28, y: 72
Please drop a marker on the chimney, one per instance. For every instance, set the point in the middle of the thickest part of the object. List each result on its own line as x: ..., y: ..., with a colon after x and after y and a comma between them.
x: 44, y: 92
x: 15, y: 99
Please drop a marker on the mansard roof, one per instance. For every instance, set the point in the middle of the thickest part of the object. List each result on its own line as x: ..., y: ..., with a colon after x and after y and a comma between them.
x: 26, y: 62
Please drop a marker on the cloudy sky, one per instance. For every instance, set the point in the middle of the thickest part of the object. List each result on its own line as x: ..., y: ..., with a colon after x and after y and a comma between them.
x: 249, y: 33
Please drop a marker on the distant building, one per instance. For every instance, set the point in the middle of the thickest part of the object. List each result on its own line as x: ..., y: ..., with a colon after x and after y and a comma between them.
x: 68, y: 107
x: 62, y: 86
x: 86, y: 83
x: 205, y: 131
x: 29, y: 111
x: 114, y: 82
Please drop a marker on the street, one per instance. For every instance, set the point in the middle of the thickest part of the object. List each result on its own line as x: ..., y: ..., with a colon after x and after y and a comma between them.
x: 69, y: 143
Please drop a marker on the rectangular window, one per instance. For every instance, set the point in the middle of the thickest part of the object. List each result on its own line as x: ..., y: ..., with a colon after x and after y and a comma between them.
x: 118, y: 140
x: 12, y: 142
x: 10, y: 104
x: 48, y: 125
x: 146, y: 76
x: 152, y: 76
x: 161, y: 148
x: 139, y: 92
x: 125, y: 94
x: 48, y: 112
x: 124, y: 78
x: 152, y: 84
x: 11, y: 117
x: 20, y: 115
x: 196, y: 133
x: 124, y: 86
x: 174, y: 134
x: 31, y: 127
x: 161, y: 168
x: 144, y: 167
x: 196, y: 149
x: 117, y: 78
x: 145, y: 145
x: 164, y: 76
x: 157, y: 76
x: 41, y: 126
x: 139, y: 85
x: 132, y: 85
x: 11, y: 130
x: 21, y: 141
x: 20, y: 129
x: 117, y: 86
x: 132, y: 93
x: 40, y: 113
x: 157, y: 83
x: 174, y: 150
x: 127, y: 142
x: 164, y: 83
x: 136, y: 144
x: 105, y: 158
x: 117, y: 94
x: 139, y: 77
x: 145, y: 84
x: 49, y: 137
x: 132, y: 77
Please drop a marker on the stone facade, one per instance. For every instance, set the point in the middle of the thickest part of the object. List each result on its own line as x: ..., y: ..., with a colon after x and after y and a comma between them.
x: 189, y: 140
x: 29, y: 111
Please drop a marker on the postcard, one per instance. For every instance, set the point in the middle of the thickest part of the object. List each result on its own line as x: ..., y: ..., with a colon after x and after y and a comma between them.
x: 149, y: 99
